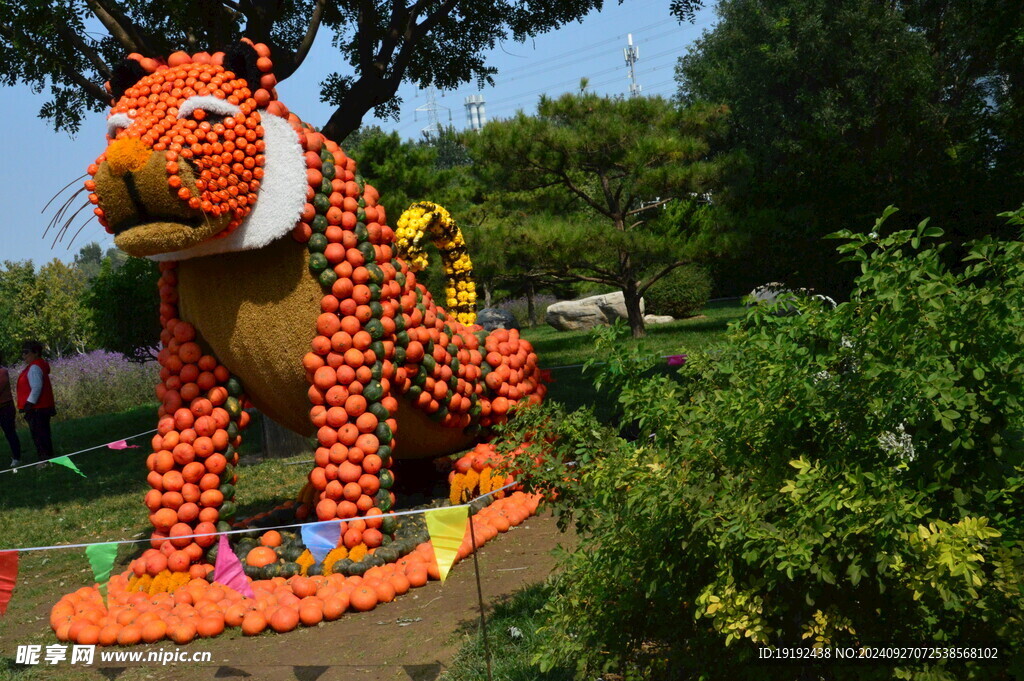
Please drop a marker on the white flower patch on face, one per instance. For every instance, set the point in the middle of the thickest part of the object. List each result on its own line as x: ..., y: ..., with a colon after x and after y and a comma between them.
x: 117, y: 123
x: 209, y: 104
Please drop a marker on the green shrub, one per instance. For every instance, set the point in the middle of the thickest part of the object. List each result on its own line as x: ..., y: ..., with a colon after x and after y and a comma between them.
x: 833, y: 478
x: 680, y: 293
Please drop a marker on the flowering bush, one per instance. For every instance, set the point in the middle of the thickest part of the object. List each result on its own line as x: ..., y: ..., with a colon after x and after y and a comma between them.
x: 839, y: 477
x: 97, y: 383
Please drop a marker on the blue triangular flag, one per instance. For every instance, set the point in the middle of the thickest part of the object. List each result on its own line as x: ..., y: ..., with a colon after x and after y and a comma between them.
x: 321, y: 538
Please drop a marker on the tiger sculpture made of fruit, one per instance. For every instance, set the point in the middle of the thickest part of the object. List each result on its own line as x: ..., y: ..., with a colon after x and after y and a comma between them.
x: 281, y: 287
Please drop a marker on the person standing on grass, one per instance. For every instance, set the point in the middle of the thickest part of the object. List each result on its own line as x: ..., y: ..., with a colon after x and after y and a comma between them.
x: 35, y: 398
x: 7, y: 413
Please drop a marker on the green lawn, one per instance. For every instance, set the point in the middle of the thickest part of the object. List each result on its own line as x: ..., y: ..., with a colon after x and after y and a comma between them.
x: 564, y: 351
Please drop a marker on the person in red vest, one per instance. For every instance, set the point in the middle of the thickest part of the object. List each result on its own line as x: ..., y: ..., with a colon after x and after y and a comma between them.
x: 35, y: 398
x: 7, y: 413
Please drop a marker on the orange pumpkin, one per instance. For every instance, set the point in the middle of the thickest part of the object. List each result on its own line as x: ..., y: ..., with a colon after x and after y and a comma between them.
x: 261, y: 556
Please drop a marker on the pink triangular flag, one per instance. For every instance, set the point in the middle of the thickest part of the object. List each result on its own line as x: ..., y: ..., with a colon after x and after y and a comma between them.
x: 228, y: 569
x: 122, y: 444
x: 8, y: 576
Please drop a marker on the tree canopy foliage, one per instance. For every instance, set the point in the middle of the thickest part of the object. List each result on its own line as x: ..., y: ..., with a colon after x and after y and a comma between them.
x: 71, y: 46
x: 615, y: 162
x: 842, y: 107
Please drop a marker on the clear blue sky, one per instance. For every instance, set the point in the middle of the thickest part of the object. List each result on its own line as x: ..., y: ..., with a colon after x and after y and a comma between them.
x: 41, y: 161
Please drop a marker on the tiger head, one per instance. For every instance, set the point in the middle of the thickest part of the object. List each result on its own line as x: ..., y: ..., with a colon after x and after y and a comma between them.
x: 200, y: 158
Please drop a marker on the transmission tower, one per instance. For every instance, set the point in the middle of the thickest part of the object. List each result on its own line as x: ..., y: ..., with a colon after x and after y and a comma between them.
x: 431, y: 108
x: 632, y: 53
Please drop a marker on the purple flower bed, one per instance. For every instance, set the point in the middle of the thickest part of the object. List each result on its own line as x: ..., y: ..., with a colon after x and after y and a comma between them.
x: 98, y: 382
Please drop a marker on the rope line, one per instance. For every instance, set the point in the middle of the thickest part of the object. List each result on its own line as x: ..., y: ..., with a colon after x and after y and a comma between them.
x: 392, y: 514
x: 81, y: 451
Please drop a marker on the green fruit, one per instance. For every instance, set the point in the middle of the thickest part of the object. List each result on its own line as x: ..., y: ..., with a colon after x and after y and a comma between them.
x: 319, y: 224
x: 317, y: 263
x: 399, y: 321
x: 439, y: 414
x: 414, y: 391
x: 419, y: 379
x: 429, y: 363
x: 400, y: 278
x: 227, y: 489
x: 223, y: 526
x: 317, y: 243
x: 362, y: 202
x: 402, y: 338
x: 383, y: 500
x: 386, y: 480
x: 383, y: 432
x: 375, y: 329
x: 321, y: 203
x: 366, y: 248
x: 233, y: 407
x: 361, y: 215
x: 376, y: 274
x: 373, y: 392
x: 234, y: 387
x: 327, y: 170
x: 360, y: 231
x: 379, y: 410
x: 399, y: 358
x: 377, y: 371
x: 455, y: 366
x: 375, y: 296
x: 389, y: 525
x: 325, y: 187
x: 378, y: 349
x: 228, y: 510
x: 327, y: 278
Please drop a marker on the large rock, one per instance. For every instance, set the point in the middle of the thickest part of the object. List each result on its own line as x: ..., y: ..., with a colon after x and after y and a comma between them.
x: 492, y: 318
x: 586, y: 313
x: 658, y: 319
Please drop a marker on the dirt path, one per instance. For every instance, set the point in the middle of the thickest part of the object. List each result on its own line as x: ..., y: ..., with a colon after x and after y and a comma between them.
x: 410, y: 639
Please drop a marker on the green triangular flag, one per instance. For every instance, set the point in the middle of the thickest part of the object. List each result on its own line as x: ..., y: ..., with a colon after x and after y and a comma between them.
x: 65, y: 461
x: 101, y: 559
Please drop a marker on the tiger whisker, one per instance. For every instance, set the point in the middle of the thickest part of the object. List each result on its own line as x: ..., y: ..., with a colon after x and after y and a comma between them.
x: 62, y: 191
x: 61, y: 211
x: 64, y: 228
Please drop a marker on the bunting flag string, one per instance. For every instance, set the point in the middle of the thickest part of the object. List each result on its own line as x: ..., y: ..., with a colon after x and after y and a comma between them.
x: 117, y: 444
x: 447, y: 527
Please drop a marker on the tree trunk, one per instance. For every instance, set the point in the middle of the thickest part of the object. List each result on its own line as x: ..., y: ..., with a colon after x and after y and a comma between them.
x: 636, y: 317
x: 487, y: 295
x: 279, y: 442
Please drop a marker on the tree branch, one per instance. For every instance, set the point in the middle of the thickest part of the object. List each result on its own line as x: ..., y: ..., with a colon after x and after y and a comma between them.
x: 363, y: 36
x: 94, y: 90
x: 122, y: 30
x: 649, y: 206
x: 94, y: 58
x: 302, y: 51
x: 668, y: 268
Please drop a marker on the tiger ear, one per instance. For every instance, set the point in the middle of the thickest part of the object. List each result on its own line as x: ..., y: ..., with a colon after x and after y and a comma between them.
x: 240, y: 59
x: 127, y: 73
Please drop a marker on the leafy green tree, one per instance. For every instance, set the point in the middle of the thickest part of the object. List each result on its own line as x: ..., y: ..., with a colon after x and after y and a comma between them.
x: 615, y: 161
x: 842, y: 107
x: 125, y: 309
x: 47, y: 306
x: 833, y: 477
x: 89, y: 259
x: 380, y: 43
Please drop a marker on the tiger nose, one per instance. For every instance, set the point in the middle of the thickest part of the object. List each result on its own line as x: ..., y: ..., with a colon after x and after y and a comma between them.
x: 127, y: 154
